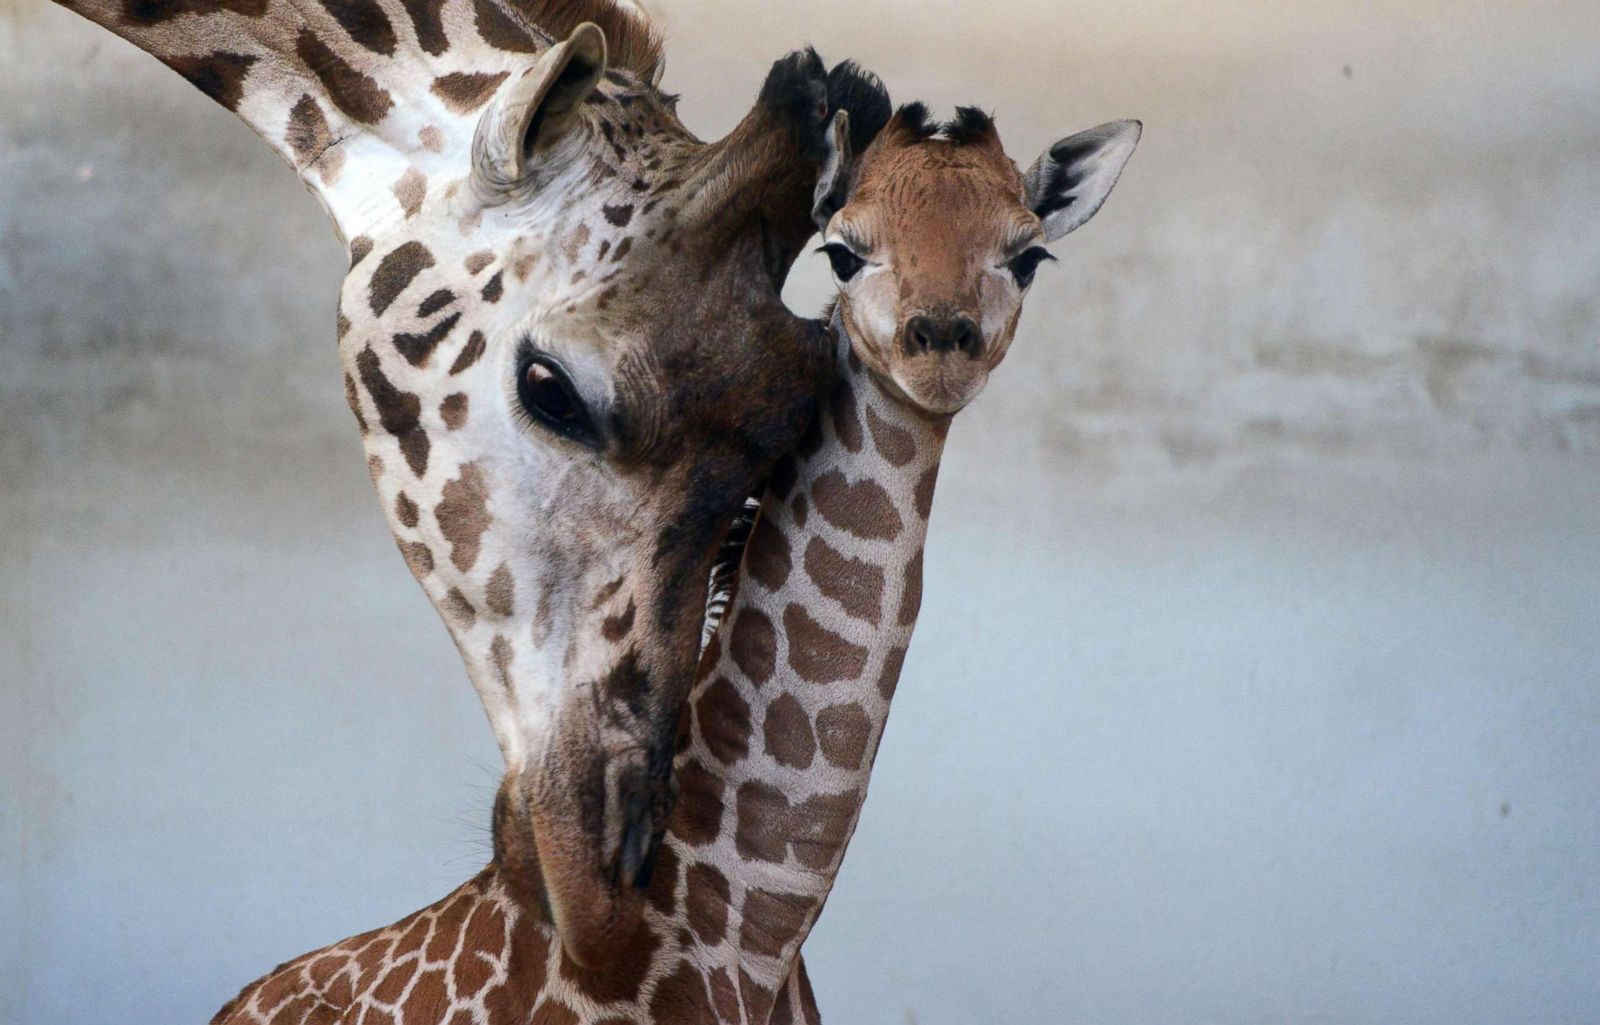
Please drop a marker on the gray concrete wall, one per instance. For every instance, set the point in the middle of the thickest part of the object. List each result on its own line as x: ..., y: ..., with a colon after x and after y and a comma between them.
x: 1259, y: 673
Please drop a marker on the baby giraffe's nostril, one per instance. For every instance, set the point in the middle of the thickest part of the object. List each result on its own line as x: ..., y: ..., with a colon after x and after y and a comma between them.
x: 924, y: 335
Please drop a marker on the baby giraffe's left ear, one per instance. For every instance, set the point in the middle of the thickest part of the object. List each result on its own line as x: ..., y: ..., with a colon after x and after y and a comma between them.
x: 1071, y: 179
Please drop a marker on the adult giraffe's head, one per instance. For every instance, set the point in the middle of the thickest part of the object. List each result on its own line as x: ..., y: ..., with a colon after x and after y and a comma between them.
x: 935, y: 234
x: 571, y: 363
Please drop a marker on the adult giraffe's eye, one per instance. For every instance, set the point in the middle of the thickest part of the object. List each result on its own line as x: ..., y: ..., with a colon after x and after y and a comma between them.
x: 1024, y: 265
x: 846, y: 264
x: 551, y: 400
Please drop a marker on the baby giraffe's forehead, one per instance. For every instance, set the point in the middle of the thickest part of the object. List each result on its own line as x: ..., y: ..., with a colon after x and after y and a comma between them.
x: 974, y: 193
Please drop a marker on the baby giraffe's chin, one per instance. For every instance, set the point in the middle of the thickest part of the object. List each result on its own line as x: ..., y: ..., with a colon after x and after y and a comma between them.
x: 939, y: 385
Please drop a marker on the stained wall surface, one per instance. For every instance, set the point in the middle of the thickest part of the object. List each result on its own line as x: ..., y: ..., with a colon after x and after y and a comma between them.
x: 1258, y: 677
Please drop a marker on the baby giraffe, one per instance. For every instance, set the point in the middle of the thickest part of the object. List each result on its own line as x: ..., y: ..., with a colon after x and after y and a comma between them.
x: 935, y: 237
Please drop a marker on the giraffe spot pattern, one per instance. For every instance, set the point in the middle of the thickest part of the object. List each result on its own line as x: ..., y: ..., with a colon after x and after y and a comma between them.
x: 843, y: 732
x: 768, y: 826
x: 417, y: 348
x: 418, y: 556
x: 410, y: 190
x: 889, y: 675
x: 863, y: 508
x: 768, y: 916
x: 405, y: 510
x: 399, y: 412
x: 923, y: 495
x: 218, y: 75
x: 616, y: 628
x: 623, y: 978
x: 366, y: 23
x: 465, y: 91
x: 501, y: 595
x: 893, y: 443
x: 356, y: 95
x: 144, y: 13
x: 681, y: 996
x: 459, y: 609
x: 436, y: 302
x: 857, y: 585
x: 469, y: 353
x: 911, y: 594
x: 766, y: 557
x: 754, y: 645
x: 724, y: 718
x: 399, y: 267
x: 463, y: 515
x: 453, y: 410
x: 846, y: 422
x: 818, y: 654
x: 787, y: 730
x: 706, y: 902
x: 494, y: 289
x: 698, y: 819
x: 426, y: 20
x: 308, y: 136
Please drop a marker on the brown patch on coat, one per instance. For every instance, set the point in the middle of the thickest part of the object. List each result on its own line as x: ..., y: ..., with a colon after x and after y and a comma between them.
x: 754, y: 645
x: 706, y: 903
x: 359, y: 97
x: 863, y: 508
x: 399, y: 267
x: 724, y: 719
x: 843, y: 732
x: 410, y: 191
x: 463, y: 515
x: 500, y: 596
x: 857, y: 585
x: 816, y: 653
x: 787, y: 730
x: 469, y: 353
x: 453, y: 410
x: 894, y: 443
x: 766, y: 557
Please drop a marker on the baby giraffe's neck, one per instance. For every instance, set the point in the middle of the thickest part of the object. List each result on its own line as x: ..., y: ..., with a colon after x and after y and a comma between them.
x: 786, y: 718
x: 794, y: 695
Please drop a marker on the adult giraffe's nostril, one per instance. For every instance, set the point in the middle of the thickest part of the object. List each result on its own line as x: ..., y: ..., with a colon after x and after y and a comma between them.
x: 925, y: 335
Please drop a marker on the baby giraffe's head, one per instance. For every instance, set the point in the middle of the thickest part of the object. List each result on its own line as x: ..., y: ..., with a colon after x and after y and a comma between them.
x: 935, y: 234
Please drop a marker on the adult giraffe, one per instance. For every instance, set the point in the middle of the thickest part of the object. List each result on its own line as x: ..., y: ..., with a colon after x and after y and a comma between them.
x: 564, y: 345
x: 935, y: 242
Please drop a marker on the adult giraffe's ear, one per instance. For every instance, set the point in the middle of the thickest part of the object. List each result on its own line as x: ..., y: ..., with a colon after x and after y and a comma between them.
x: 833, y: 184
x: 527, y: 131
x: 1068, y: 183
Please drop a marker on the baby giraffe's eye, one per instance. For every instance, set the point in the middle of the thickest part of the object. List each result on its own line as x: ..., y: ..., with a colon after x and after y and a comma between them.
x: 846, y: 264
x: 1026, y: 263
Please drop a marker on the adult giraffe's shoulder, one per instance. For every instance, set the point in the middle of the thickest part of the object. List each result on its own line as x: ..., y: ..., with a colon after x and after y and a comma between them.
x: 935, y: 238
x: 564, y: 346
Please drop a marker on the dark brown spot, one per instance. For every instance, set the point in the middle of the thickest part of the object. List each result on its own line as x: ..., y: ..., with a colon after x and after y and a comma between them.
x: 622, y: 978
x: 846, y: 421
x: 754, y: 645
x: 309, y: 136
x: 428, y: 997
x: 418, y: 556
x: 366, y: 23
x: 707, y: 903
x: 618, y: 215
x: 842, y: 733
x: 863, y: 509
x: 763, y: 815
x: 756, y: 998
x: 397, y: 270
x: 463, y: 515
x: 818, y: 654
x: 923, y: 496
x: 459, y: 608
x: 465, y: 91
x: 405, y: 510
x: 663, y: 891
x: 911, y: 596
x: 353, y: 400
x: 894, y: 443
x: 410, y: 190
x: 393, y: 983
x: 436, y: 302
x: 425, y: 19
x: 623, y: 248
x: 360, y: 246
x: 500, y: 596
x: 770, y: 921
x: 617, y: 627
x: 698, y: 819
x: 494, y: 289
x: 502, y: 655
x: 787, y: 729
x: 551, y: 1012
x: 855, y: 584
x: 724, y: 718
x: 889, y: 676
x: 352, y: 92
x: 399, y: 412
x: 453, y: 410
x: 469, y: 353
x: 417, y: 348
x: 499, y: 30
x: 767, y: 555
x: 218, y: 75
x: 478, y: 261
x: 819, y: 827
x: 482, y: 942
x: 153, y: 12
x: 724, y: 996
x: 681, y: 996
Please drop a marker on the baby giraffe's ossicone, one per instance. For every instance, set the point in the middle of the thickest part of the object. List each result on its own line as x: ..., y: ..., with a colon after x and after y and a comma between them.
x: 935, y: 235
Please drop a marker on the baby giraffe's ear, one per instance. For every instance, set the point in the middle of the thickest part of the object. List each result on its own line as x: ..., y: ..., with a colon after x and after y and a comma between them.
x: 1071, y: 179
x: 833, y: 184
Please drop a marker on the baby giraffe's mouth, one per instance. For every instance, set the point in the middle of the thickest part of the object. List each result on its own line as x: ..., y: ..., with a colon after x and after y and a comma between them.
x: 724, y: 581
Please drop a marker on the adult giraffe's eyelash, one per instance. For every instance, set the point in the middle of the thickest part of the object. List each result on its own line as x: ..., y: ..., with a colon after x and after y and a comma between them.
x: 1025, y: 264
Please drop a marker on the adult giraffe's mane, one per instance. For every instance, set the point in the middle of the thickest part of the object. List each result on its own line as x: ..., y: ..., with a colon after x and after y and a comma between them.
x: 632, y: 42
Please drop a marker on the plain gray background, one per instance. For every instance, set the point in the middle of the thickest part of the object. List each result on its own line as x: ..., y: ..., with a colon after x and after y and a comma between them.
x: 1258, y: 678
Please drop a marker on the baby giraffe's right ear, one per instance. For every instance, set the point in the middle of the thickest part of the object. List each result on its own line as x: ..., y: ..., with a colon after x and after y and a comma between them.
x: 1071, y: 179
x: 833, y: 184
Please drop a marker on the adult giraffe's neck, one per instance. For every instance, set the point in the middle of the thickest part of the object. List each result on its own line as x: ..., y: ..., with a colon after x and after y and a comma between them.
x: 793, y: 699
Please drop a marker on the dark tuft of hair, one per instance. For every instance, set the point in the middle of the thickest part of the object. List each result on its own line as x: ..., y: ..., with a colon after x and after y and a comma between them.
x: 861, y: 94
x: 970, y: 127
x: 913, y: 119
